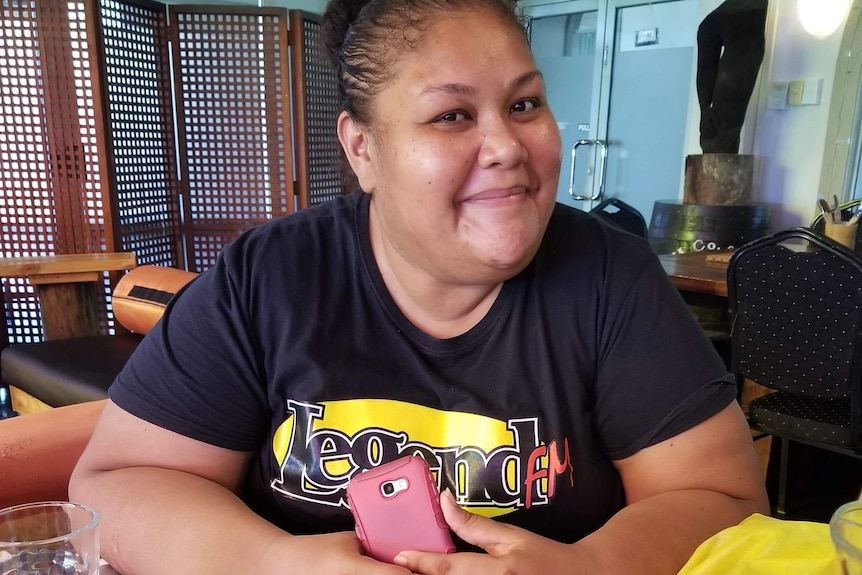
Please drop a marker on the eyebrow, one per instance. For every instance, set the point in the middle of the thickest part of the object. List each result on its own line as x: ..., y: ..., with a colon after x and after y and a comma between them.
x: 465, y: 90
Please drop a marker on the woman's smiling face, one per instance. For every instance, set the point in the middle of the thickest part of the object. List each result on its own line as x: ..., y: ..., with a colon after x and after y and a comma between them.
x: 463, y: 154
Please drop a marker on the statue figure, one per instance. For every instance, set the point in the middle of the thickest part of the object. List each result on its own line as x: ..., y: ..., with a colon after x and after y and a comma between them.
x: 730, y: 47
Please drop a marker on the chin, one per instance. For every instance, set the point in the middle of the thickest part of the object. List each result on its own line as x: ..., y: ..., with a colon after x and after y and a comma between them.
x: 509, y: 247
x: 511, y: 261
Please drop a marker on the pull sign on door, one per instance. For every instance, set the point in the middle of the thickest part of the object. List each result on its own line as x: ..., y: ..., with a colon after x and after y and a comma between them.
x: 646, y: 37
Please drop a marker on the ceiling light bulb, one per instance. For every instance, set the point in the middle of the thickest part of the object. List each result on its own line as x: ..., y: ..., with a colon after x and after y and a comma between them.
x: 820, y: 18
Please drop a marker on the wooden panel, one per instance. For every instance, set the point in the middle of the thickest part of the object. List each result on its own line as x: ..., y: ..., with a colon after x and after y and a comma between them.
x: 37, y: 279
x: 74, y: 146
x: 69, y: 309
x: 66, y: 263
x: 54, y: 187
x: 68, y: 290
x: 27, y: 182
x: 320, y: 166
x: 232, y: 91
x: 692, y: 272
x: 140, y: 113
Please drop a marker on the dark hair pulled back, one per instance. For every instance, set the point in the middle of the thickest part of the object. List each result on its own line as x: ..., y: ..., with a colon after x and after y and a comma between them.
x: 364, y: 39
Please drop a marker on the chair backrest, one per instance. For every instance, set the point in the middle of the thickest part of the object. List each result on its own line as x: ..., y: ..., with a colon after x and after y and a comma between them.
x: 622, y: 215
x: 796, y: 312
x: 140, y: 297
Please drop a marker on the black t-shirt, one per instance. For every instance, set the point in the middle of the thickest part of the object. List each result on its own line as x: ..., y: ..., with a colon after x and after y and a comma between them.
x: 292, y: 348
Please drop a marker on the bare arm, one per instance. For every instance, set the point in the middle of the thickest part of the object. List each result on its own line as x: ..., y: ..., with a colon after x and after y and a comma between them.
x: 679, y: 492
x: 168, y: 505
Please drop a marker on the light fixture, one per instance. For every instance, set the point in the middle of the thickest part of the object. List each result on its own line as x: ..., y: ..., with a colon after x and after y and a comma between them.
x: 820, y: 18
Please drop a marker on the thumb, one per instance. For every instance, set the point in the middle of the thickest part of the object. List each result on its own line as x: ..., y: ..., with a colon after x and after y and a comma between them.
x: 474, y: 529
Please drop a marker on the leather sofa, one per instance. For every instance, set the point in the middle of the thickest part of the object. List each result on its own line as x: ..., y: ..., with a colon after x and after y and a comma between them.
x: 38, y: 452
x: 64, y: 372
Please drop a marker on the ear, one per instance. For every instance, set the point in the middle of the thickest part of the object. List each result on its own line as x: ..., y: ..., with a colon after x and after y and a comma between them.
x: 356, y: 144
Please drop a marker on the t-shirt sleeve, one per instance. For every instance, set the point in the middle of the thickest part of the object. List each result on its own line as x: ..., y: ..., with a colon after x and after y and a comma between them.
x: 198, y: 371
x: 658, y: 373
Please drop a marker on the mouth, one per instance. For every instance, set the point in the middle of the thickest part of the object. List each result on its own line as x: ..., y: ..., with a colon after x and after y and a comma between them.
x: 498, y: 194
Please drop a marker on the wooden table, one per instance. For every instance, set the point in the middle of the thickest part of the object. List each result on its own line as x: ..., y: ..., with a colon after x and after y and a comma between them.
x: 68, y: 288
x: 692, y: 272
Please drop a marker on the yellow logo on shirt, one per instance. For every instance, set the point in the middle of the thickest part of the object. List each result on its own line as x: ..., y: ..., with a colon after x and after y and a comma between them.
x: 493, y: 467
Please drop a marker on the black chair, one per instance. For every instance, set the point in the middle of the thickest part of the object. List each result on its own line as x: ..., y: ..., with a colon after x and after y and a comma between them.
x: 795, y: 301
x: 621, y: 215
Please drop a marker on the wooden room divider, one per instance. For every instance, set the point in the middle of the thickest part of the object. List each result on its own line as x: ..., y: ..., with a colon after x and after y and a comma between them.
x: 163, y: 130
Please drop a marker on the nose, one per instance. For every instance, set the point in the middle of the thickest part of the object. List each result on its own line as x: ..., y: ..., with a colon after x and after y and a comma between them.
x: 501, y: 144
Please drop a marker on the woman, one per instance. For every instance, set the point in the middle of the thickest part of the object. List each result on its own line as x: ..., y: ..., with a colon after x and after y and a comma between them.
x: 540, y: 362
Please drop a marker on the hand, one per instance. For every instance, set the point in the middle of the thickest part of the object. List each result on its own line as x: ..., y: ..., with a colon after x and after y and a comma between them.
x: 327, y: 554
x: 510, y: 549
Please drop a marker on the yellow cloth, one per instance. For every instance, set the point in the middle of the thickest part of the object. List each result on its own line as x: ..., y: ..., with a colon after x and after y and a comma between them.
x: 763, y: 545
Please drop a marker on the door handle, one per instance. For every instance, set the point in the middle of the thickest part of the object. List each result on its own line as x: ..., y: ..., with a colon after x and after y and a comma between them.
x: 603, y: 151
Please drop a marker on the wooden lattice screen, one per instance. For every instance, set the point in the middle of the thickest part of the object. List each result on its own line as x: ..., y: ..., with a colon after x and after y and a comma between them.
x: 53, y: 193
x: 95, y: 159
x: 319, y: 174
x: 232, y: 81
x: 140, y: 113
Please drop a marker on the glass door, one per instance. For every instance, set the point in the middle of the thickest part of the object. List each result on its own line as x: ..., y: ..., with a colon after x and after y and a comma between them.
x: 620, y: 75
x: 650, y: 74
x: 565, y: 38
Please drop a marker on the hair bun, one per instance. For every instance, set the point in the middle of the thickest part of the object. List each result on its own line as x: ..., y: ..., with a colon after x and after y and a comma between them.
x: 337, y: 18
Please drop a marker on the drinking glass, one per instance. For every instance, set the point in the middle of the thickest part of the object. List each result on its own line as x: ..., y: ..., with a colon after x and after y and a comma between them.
x: 845, y: 528
x: 49, y: 538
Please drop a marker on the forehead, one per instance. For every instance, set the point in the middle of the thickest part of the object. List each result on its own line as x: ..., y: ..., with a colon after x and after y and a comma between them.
x: 468, y: 42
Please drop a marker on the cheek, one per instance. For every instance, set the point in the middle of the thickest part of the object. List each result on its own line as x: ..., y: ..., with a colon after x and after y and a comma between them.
x: 442, y: 165
x: 549, y: 146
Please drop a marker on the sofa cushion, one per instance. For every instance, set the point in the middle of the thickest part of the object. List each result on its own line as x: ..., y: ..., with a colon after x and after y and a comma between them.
x: 67, y: 371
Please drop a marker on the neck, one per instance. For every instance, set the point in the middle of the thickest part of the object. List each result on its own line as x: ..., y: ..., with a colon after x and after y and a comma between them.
x: 440, y: 308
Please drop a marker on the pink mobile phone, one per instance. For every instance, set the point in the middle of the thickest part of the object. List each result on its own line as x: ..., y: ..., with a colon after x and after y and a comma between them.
x: 397, y: 508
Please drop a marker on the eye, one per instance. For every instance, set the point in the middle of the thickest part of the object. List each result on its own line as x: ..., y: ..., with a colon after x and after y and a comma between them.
x: 525, y: 105
x: 451, y: 117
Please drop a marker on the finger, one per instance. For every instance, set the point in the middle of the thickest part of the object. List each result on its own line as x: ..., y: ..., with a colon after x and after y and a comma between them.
x: 369, y: 566
x: 480, y: 531
x: 442, y: 563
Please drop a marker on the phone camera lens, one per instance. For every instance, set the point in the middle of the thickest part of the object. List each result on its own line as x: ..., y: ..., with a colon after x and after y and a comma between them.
x: 388, y: 488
